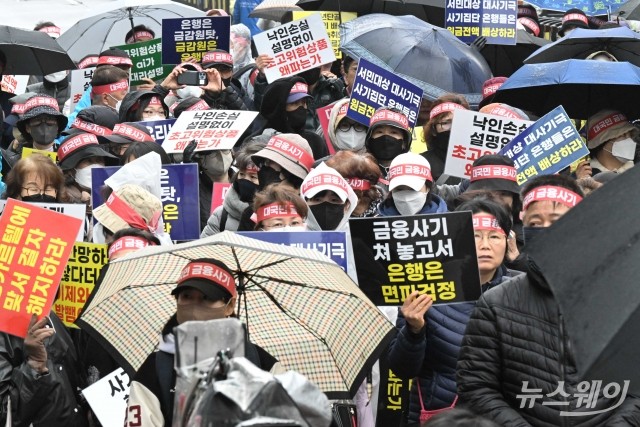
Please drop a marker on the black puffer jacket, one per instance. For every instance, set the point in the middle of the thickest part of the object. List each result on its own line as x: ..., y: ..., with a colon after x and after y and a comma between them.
x: 516, y: 334
x: 232, y: 97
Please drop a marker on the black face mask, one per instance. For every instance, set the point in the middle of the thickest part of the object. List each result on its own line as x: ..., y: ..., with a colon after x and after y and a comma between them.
x: 39, y: 198
x: 245, y: 189
x: 530, y: 233
x: 327, y: 215
x: 267, y: 175
x: 441, y: 140
x: 44, y: 134
x: 311, y: 76
x: 385, y: 147
x: 297, y: 118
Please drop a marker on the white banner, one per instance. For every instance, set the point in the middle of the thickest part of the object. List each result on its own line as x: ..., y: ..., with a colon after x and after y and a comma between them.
x: 80, y: 81
x: 108, y: 398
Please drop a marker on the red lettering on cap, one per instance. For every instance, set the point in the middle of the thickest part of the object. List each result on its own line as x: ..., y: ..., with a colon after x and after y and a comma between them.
x: 391, y: 116
x: 445, y: 107
x: 493, y: 172
x: 420, y: 171
x: 90, y: 127
x: 289, y: 150
x: 91, y: 61
x: 208, y: 271
x: 299, y: 88
x: 325, y: 179
x: 41, y: 101
x: 220, y: 57
x: 606, y: 123
x: 132, y: 133
x: 551, y: 193
x: 74, y: 143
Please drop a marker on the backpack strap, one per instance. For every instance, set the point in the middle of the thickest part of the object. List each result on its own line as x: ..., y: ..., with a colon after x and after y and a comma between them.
x: 223, y: 219
x: 164, y: 371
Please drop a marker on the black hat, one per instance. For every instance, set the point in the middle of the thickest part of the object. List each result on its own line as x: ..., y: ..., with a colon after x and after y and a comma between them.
x: 80, y: 147
x: 494, y: 172
x: 97, y: 119
x: 129, y: 132
x: 573, y: 18
x: 217, y: 57
x: 40, y: 105
x: 210, y: 276
x: 527, y: 11
x: 117, y: 57
x: 190, y: 103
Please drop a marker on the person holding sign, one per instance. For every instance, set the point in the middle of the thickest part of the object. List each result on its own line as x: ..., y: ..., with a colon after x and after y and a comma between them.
x: 426, y: 349
x: 388, y: 136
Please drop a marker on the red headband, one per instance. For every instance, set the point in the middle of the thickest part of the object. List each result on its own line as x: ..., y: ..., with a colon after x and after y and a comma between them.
x: 493, y: 171
x: 91, y: 61
x: 131, y: 132
x: 110, y: 88
x: 490, y: 89
x: 18, y: 108
x: 445, y: 107
x: 219, y: 57
x: 276, y: 210
x: 359, y: 184
x: 420, y: 171
x: 52, y: 30
x: 130, y: 216
x: 530, y: 24
x: 526, y: 11
x: 90, y: 127
x: 553, y: 194
x: 343, y: 109
x: 325, y: 179
x: 137, y: 35
x: 41, y: 101
x: 575, y: 17
x: 289, y: 149
x: 499, y: 110
x: 251, y: 168
x: 386, y: 115
x: 208, y: 271
x: 604, y: 124
x: 199, y: 106
x: 128, y: 242
x: 74, y: 143
x: 114, y: 60
x: 155, y: 101
x: 299, y: 87
x: 485, y: 221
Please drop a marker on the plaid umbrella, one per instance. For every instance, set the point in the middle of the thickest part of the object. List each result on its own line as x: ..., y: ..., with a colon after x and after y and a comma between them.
x: 297, y: 304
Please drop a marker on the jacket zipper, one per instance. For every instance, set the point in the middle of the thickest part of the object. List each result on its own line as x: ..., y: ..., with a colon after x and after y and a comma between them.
x: 562, y: 366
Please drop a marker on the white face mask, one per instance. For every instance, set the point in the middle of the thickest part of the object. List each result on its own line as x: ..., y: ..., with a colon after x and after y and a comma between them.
x: 56, y: 77
x: 409, y: 202
x: 350, y: 140
x: 624, y: 150
x: 189, y: 91
x: 302, y: 227
x: 83, y: 176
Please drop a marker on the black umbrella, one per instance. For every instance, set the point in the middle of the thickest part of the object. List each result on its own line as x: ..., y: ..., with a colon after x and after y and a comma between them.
x: 591, y: 260
x: 504, y: 60
x: 32, y: 52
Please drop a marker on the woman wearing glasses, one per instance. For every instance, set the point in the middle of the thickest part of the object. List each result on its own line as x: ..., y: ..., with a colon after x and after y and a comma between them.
x: 344, y: 133
x: 36, y: 179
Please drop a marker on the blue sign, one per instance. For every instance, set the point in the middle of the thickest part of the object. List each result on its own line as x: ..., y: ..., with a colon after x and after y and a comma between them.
x: 493, y: 19
x: 180, y: 198
x: 375, y: 87
x: 159, y: 128
x: 546, y: 147
x: 330, y: 243
x: 185, y: 38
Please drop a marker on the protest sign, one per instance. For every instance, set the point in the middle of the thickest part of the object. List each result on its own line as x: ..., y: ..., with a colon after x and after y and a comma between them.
x: 549, y: 145
x: 296, y: 47
x: 375, y: 87
x: 74, y: 210
x: 180, y: 198
x: 80, y: 81
x: 331, y: 21
x: 213, y: 129
x: 396, y: 256
x: 159, y: 128
x: 185, y: 38
x: 323, y: 115
x: 26, y: 152
x: 34, y: 249
x: 14, y: 84
x: 475, y: 134
x: 332, y: 244
x: 108, y: 398
x: 147, y: 61
x: 78, y: 280
x: 218, y: 194
x: 494, y: 20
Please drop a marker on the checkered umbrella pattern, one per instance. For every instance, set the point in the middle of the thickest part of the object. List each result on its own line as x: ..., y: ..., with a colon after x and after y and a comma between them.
x: 297, y: 304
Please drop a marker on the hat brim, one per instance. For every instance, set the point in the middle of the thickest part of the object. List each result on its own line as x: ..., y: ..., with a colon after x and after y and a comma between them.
x: 117, y: 139
x: 326, y: 187
x: 213, y: 64
x: 73, y: 159
x: 286, y: 163
x: 109, y: 219
x: 613, y: 132
x: 209, y: 288
x: 297, y: 96
x: 486, y: 101
x: 495, y: 184
x: 412, y: 182
x: 39, y: 111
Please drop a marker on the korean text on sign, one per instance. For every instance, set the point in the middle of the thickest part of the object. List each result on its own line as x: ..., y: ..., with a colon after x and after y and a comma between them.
x: 546, y: 147
x: 493, y: 19
x: 475, y: 134
x: 159, y: 128
x: 80, y: 82
x: 331, y: 21
x: 108, y: 397
x: 185, y: 38
x: 296, y: 46
x: 35, y: 245
x: 147, y: 61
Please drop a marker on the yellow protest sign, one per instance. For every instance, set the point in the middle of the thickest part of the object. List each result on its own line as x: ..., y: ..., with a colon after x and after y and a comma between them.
x: 26, y: 152
x: 331, y: 22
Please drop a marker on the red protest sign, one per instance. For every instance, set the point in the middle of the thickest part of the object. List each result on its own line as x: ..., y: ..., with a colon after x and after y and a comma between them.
x: 34, y: 249
x: 219, y: 191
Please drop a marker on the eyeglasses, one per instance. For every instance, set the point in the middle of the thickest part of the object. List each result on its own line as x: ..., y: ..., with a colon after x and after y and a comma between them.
x: 39, y: 120
x: 493, y: 237
x: 344, y: 126
x: 49, y: 191
x: 443, y: 126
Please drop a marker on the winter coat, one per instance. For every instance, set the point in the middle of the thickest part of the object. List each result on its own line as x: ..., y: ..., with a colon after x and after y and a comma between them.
x: 516, y: 334
x: 231, y: 97
x: 434, y: 204
x: 61, y: 91
x: 431, y: 355
x: 233, y: 207
x: 324, y: 93
x: 49, y: 400
x: 437, y: 159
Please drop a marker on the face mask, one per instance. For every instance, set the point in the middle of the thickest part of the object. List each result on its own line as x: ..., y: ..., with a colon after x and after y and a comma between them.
x: 39, y: 198
x: 245, y: 189
x: 386, y: 147
x: 289, y: 228
x: 83, y: 176
x: 189, y: 91
x: 624, y: 150
x: 530, y: 233
x: 297, y: 118
x: 409, y: 202
x: 350, y: 140
x: 328, y: 215
x: 44, y: 134
x: 56, y: 77
x: 311, y: 76
x: 441, y: 140
x: 153, y: 118
x: 217, y: 163
x: 199, y: 312
x: 267, y: 175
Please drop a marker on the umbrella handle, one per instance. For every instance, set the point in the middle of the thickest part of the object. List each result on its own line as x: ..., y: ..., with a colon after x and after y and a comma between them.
x: 129, y: 10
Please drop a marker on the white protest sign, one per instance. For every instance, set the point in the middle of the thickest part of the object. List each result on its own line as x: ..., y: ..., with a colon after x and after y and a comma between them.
x: 75, y: 210
x: 475, y: 134
x: 213, y: 129
x: 14, y: 84
x: 296, y: 47
x: 108, y: 398
x: 80, y: 81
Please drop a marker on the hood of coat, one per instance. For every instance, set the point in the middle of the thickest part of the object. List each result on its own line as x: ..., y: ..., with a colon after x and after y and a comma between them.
x: 274, y: 103
x: 127, y: 112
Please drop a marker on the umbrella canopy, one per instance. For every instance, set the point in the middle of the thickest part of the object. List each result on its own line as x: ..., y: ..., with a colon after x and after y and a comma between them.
x: 297, y: 304
x: 32, y: 52
x: 630, y: 10
x: 108, y: 26
x: 590, y: 7
x: 428, y: 56
x: 621, y: 42
x: 596, y: 286
x: 274, y: 9
x: 504, y: 60
x: 581, y: 87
